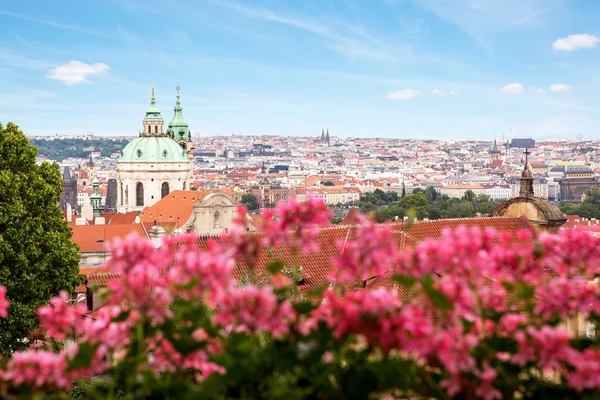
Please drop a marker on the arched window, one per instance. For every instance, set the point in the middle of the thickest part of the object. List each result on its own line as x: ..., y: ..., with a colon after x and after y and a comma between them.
x: 149, y: 129
x: 164, y: 190
x: 155, y: 128
x: 139, y: 194
x: 121, y: 192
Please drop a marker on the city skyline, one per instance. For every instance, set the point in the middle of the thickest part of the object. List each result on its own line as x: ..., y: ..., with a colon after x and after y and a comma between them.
x: 405, y: 69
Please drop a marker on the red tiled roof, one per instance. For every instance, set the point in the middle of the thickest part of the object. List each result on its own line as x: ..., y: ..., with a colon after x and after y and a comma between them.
x: 176, y: 208
x: 351, y: 217
x: 95, y: 237
x: 124, y: 218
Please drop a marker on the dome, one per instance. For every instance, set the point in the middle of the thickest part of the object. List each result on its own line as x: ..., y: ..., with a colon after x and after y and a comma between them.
x: 153, y: 149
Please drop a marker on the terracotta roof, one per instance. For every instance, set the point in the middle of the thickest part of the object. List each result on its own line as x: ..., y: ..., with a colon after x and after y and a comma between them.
x: 350, y: 218
x: 124, y: 218
x: 95, y: 237
x: 175, y: 208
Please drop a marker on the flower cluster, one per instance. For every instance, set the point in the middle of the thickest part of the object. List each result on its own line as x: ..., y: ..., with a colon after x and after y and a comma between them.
x: 473, y: 314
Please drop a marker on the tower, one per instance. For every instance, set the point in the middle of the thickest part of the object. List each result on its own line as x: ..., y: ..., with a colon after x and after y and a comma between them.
x: 526, y: 189
x: 96, y: 199
x: 179, y: 129
x: 327, y: 138
x: 494, y: 152
x: 153, y: 123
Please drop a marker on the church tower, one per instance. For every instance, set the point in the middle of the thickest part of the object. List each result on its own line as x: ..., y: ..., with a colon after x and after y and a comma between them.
x: 96, y: 199
x: 153, y: 124
x: 179, y: 129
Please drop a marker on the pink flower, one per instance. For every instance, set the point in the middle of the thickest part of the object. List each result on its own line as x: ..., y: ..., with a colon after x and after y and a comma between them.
x: 252, y: 310
x: 371, y: 254
x: 59, y: 319
x: 4, y: 303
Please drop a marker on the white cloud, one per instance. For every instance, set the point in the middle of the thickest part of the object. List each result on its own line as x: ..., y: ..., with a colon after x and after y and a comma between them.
x: 513, y: 88
x: 402, y: 94
x: 440, y: 93
x: 537, y: 90
x: 560, y: 87
x: 76, y: 72
x: 574, y: 42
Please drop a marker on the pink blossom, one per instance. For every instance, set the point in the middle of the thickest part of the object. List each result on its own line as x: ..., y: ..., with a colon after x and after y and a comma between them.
x: 372, y: 254
x: 4, y: 303
x: 38, y: 369
x: 252, y: 310
x: 59, y: 319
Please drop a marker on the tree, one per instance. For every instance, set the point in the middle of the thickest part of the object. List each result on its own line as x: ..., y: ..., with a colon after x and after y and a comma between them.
x: 38, y: 259
x: 327, y: 183
x: 431, y: 194
x: 460, y: 210
x: 588, y: 210
x: 417, y: 202
x: 592, y: 196
x: 469, y: 196
x: 569, y: 209
x: 250, y: 201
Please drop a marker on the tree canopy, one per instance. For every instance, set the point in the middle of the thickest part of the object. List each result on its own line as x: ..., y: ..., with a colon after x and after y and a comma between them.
x: 250, y: 201
x: 38, y: 259
x: 589, y: 207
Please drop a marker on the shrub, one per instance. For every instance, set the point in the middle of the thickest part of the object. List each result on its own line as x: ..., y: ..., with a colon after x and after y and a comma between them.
x: 475, y: 314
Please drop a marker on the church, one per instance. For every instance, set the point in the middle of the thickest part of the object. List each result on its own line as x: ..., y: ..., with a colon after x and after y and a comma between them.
x: 155, y: 163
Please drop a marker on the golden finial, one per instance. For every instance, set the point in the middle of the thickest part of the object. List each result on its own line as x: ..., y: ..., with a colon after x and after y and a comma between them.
x: 153, y: 91
x: 177, y: 88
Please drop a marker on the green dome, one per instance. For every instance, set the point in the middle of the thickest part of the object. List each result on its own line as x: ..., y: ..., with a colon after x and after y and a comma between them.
x: 153, y: 149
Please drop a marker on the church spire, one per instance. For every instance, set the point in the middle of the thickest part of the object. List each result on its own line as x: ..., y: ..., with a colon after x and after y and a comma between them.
x: 526, y: 189
x: 96, y: 199
x: 153, y: 122
x: 178, y: 128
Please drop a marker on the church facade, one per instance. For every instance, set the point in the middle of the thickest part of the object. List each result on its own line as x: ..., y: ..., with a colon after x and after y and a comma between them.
x: 155, y: 163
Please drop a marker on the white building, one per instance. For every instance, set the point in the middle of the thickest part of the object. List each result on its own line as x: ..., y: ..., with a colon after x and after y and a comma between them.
x: 156, y: 162
x: 498, y: 192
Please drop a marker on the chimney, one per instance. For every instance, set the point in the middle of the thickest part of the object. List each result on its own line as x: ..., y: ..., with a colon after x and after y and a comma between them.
x: 156, y: 234
x: 87, y: 212
x: 99, y: 221
x: 69, y: 213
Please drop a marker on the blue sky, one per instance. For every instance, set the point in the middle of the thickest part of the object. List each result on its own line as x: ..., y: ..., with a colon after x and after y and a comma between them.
x: 459, y: 69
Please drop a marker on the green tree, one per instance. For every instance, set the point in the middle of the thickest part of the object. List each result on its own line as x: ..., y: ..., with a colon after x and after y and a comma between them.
x: 38, y: 259
x: 592, y: 196
x: 417, y: 202
x: 469, y: 196
x: 250, y: 201
x: 569, y: 209
x: 431, y: 194
x: 460, y: 210
x: 588, y: 210
x: 327, y: 183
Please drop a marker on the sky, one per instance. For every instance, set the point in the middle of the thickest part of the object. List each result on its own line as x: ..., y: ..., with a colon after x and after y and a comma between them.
x: 435, y: 69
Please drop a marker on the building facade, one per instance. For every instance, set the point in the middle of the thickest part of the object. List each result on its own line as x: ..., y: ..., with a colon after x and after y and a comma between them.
x: 156, y: 162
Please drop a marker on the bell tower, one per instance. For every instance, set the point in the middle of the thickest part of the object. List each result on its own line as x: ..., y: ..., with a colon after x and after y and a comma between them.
x: 153, y: 123
x: 179, y: 129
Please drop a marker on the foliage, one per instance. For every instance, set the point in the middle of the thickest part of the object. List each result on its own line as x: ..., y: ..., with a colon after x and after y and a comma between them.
x: 60, y: 149
x: 37, y: 257
x: 481, y: 315
x: 327, y: 183
x: 84, y: 390
x: 250, y: 201
x: 430, y: 204
x: 336, y: 220
x: 589, y: 207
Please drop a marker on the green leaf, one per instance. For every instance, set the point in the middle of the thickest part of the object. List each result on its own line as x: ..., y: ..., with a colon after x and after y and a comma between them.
x: 405, y: 280
x: 84, y: 356
x: 439, y: 300
x: 304, y: 307
x: 525, y: 292
x: 275, y: 266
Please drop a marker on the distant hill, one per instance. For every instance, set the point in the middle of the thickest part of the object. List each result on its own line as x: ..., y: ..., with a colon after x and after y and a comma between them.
x: 60, y: 149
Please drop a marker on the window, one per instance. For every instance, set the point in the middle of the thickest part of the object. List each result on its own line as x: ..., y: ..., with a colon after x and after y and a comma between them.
x: 164, y: 190
x: 121, y: 193
x: 149, y: 129
x: 139, y: 194
x: 155, y: 128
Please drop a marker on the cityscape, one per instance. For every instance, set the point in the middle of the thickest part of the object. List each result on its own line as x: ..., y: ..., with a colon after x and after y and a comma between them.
x: 338, y: 199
